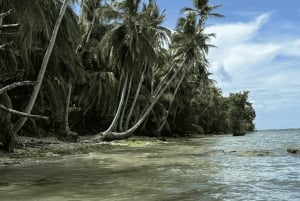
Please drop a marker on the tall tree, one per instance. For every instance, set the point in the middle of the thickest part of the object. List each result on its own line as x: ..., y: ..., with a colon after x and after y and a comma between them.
x: 186, y: 56
x: 190, y: 45
x: 130, y: 47
x: 241, y: 113
x: 19, y: 124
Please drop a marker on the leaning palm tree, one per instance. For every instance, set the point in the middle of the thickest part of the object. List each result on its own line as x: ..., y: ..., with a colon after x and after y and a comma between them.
x: 130, y: 48
x: 36, y: 21
x: 190, y: 44
x: 19, y: 124
x: 12, y: 56
x: 188, y: 52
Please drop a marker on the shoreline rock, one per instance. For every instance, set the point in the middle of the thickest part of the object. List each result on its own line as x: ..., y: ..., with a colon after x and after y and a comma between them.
x: 38, y: 148
x: 293, y: 150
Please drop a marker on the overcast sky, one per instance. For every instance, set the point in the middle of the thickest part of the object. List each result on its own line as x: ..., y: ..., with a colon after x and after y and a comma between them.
x: 258, y: 49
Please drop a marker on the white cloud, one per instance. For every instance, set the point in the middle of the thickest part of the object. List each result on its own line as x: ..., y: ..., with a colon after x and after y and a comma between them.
x: 219, y: 71
x: 237, y: 32
x: 266, y: 65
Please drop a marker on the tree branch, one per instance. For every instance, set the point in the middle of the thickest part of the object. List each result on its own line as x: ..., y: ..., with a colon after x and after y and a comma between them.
x: 9, y: 26
x: 3, y: 46
x: 2, y: 15
x: 16, y: 84
x: 12, y: 111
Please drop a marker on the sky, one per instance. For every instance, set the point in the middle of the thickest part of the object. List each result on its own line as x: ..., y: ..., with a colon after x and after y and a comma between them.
x: 258, y: 50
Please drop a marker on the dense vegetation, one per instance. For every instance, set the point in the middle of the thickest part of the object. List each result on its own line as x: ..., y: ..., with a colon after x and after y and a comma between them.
x: 114, y: 70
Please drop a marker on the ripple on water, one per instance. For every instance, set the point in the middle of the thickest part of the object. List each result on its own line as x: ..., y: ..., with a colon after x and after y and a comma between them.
x: 195, y: 169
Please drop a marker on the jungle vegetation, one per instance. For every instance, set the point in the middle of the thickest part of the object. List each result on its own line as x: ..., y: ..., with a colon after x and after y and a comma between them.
x: 111, y: 71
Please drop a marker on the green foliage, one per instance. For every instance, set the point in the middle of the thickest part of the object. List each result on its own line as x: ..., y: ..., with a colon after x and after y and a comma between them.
x: 109, y: 41
x: 241, y: 113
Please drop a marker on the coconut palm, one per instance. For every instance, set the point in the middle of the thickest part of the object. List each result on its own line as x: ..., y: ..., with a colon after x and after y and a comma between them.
x: 188, y: 50
x: 96, y: 96
x: 36, y: 19
x: 203, y: 10
x: 190, y: 46
x: 19, y: 124
x: 130, y: 48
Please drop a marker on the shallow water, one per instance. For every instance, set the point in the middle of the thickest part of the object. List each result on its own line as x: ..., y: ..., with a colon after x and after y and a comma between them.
x: 211, y: 168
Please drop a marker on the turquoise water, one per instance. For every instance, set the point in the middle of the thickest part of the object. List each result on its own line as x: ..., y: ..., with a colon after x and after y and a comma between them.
x: 211, y: 168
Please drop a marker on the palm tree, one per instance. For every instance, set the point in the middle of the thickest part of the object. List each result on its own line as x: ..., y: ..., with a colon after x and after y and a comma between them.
x: 190, y: 45
x: 188, y: 50
x: 36, y: 19
x: 19, y: 124
x: 96, y: 95
x: 130, y: 48
x: 203, y: 10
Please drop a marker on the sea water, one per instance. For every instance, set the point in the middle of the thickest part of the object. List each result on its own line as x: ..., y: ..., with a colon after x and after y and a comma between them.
x: 252, y: 167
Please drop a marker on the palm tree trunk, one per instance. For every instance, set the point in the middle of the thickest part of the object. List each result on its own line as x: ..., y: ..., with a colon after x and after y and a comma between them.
x: 129, y: 132
x: 208, y: 105
x: 135, y: 98
x: 7, y: 137
x: 19, y: 124
x: 162, y: 81
x: 171, y: 102
x: 117, y: 115
x: 126, y: 102
x: 66, y: 117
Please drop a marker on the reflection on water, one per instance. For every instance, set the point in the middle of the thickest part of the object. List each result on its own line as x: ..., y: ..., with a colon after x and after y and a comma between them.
x: 198, y: 169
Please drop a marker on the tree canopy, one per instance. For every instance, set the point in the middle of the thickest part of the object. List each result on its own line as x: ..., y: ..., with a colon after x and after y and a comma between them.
x: 114, y: 71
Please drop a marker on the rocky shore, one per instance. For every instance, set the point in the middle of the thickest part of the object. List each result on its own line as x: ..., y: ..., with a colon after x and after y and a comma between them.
x: 293, y: 150
x: 52, y: 147
x: 38, y: 148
